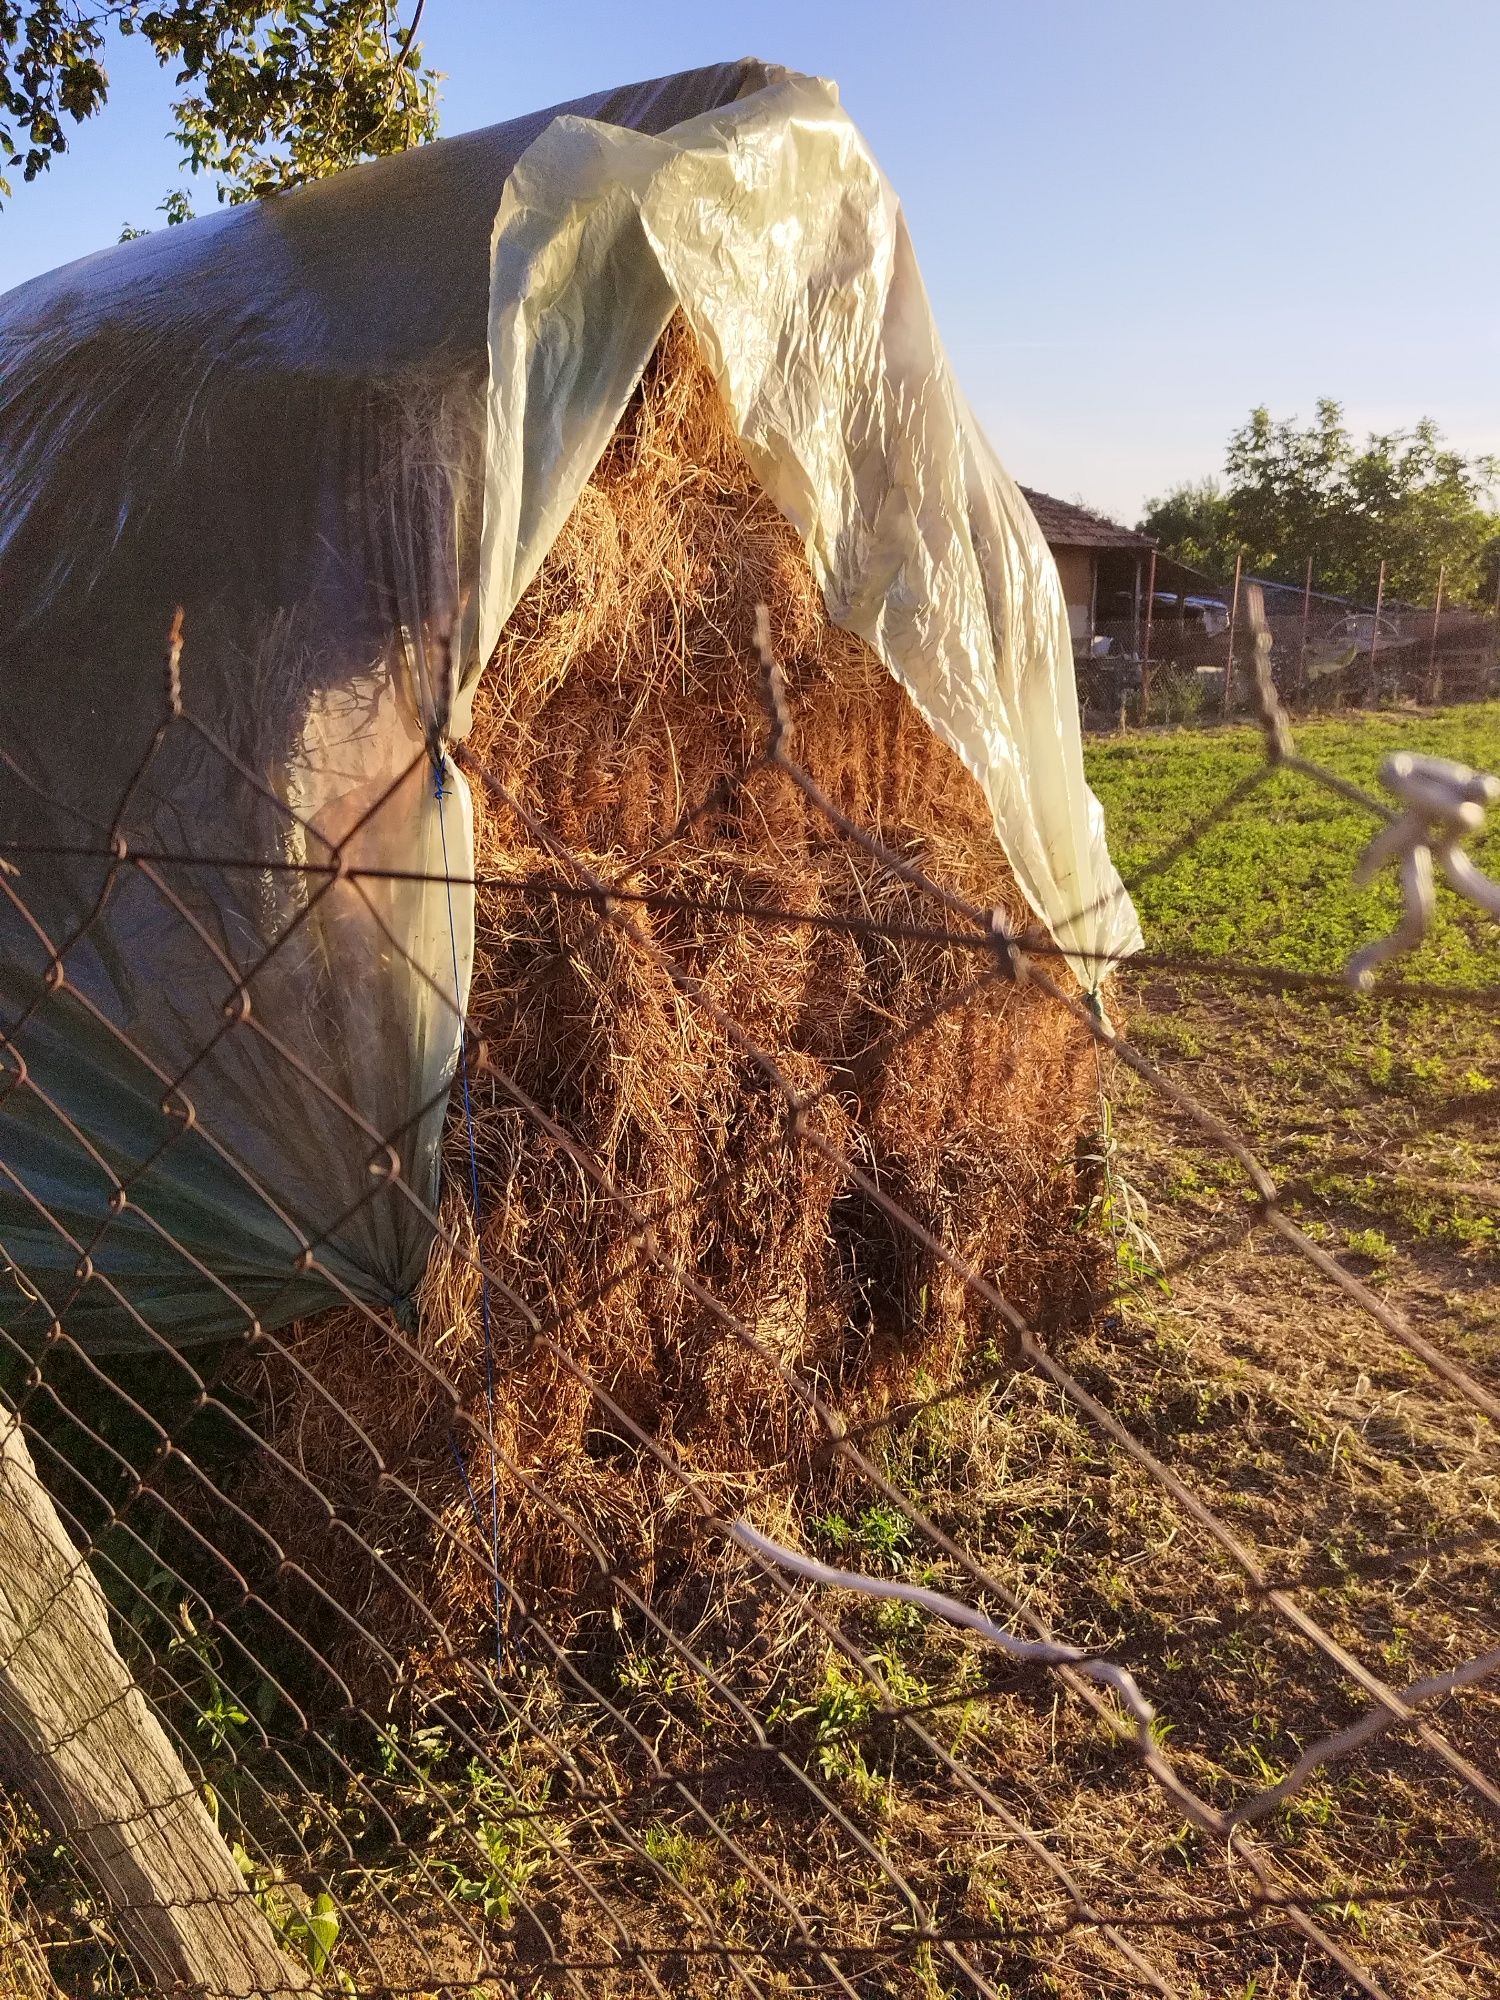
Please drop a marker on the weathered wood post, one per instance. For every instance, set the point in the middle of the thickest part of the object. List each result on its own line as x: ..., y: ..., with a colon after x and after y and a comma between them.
x: 1146, y: 648
x: 79, y: 1743
x: 1302, y: 641
x: 1375, y: 634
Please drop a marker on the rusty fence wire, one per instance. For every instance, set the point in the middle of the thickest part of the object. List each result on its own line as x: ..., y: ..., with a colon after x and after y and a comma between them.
x: 855, y: 1736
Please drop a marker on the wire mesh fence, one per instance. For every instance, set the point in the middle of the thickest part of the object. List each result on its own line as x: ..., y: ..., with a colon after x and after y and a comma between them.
x: 943, y: 1622
x: 1191, y: 662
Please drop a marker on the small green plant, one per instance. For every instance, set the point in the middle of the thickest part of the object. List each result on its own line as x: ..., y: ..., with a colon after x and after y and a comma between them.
x: 1119, y: 1211
x: 655, y: 1676
x: 314, y: 1932
x: 694, y: 1862
x: 832, y: 1531
x: 1381, y: 1068
x: 413, y: 1756
x: 1471, y: 1232
x: 841, y: 1707
x: 884, y: 1532
x: 510, y: 1837
x: 1396, y: 1651
x: 1372, y: 1243
x: 309, y: 1929
x: 843, y: 1710
x: 510, y: 1852
x: 901, y: 1624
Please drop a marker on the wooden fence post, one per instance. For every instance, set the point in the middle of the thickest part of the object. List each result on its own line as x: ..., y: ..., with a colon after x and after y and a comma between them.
x: 1302, y: 642
x: 1375, y: 633
x: 79, y: 1743
x: 1146, y: 649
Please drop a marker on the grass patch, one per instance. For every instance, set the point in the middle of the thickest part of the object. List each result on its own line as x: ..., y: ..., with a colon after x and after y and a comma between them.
x: 1270, y: 881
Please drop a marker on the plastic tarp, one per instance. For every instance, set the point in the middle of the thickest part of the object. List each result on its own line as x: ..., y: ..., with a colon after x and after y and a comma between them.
x: 336, y: 427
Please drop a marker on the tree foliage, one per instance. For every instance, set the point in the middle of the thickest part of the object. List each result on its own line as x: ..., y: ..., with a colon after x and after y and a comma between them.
x: 1191, y: 523
x: 1297, y: 490
x: 273, y: 94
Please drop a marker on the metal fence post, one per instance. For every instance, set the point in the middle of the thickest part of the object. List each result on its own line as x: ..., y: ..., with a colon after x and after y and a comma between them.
x: 1375, y: 632
x: 1234, y: 607
x: 1434, y: 677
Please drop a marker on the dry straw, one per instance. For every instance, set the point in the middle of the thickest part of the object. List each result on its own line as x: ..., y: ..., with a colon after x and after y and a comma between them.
x: 625, y: 690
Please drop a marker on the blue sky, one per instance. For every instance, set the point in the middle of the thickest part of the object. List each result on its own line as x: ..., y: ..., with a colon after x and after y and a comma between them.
x: 1136, y: 217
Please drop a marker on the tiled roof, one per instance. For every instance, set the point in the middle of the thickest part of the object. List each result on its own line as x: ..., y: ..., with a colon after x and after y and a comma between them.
x: 1068, y: 527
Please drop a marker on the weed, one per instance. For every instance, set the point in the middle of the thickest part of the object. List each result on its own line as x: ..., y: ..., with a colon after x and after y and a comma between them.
x: 1119, y: 1210
x: 308, y: 1928
x: 655, y: 1676
x: 1374, y: 1244
x: 884, y: 1532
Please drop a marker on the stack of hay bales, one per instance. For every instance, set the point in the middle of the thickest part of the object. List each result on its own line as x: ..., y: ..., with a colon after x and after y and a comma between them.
x: 625, y: 686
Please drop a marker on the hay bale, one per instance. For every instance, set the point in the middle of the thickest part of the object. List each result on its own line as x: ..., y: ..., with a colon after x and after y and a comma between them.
x: 624, y: 687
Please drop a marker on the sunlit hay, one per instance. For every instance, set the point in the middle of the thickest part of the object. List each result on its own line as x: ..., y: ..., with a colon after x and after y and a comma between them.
x: 625, y: 687
x: 24, y: 1970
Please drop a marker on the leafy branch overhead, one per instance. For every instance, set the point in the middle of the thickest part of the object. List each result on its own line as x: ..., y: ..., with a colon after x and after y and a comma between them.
x: 1292, y: 491
x: 274, y: 95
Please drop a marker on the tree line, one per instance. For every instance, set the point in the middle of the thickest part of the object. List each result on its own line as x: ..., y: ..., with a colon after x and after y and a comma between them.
x: 1292, y: 491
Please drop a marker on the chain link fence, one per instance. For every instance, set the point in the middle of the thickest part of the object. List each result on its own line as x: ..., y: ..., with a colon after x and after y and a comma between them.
x: 1189, y: 665
x: 1057, y: 1656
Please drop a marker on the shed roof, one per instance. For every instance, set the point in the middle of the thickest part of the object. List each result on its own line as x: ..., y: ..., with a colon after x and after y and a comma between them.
x: 1067, y: 526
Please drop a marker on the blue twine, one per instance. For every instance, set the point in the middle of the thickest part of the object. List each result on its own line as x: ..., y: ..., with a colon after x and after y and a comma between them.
x: 440, y: 794
x: 463, y: 1473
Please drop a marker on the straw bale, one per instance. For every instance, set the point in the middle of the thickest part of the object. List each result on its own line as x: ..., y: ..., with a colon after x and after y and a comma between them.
x: 624, y: 689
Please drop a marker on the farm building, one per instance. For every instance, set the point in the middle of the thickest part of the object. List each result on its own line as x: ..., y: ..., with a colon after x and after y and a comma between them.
x: 1101, y: 565
x: 1108, y: 574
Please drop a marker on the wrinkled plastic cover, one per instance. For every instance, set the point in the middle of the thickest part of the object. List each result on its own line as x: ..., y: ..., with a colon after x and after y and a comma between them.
x: 770, y: 224
x: 337, y: 428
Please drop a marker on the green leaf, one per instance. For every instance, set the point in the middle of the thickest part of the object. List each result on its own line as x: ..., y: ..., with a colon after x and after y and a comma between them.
x: 285, y: 94
x: 322, y: 1923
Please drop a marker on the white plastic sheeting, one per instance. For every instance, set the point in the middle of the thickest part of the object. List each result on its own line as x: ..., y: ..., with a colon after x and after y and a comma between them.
x: 330, y: 426
x: 770, y: 224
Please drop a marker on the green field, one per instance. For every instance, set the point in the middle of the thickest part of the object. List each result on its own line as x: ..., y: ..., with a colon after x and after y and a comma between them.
x: 1271, y: 880
x: 1335, y: 1455
x: 1268, y: 881
x: 1311, y: 1077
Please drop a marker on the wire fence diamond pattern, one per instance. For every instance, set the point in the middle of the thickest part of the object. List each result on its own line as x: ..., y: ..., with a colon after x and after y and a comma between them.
x: 660, y: 1793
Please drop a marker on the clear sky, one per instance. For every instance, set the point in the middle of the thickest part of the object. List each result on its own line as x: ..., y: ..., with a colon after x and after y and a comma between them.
x: 1136, y: 218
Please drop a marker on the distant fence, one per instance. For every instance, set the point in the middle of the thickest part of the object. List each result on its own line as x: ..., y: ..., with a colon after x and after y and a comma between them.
x: 1327, y: 653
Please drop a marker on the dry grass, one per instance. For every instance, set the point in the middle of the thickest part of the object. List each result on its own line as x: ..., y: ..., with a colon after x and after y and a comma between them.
x: 25, y: 1973
x: 1341, y: 1462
